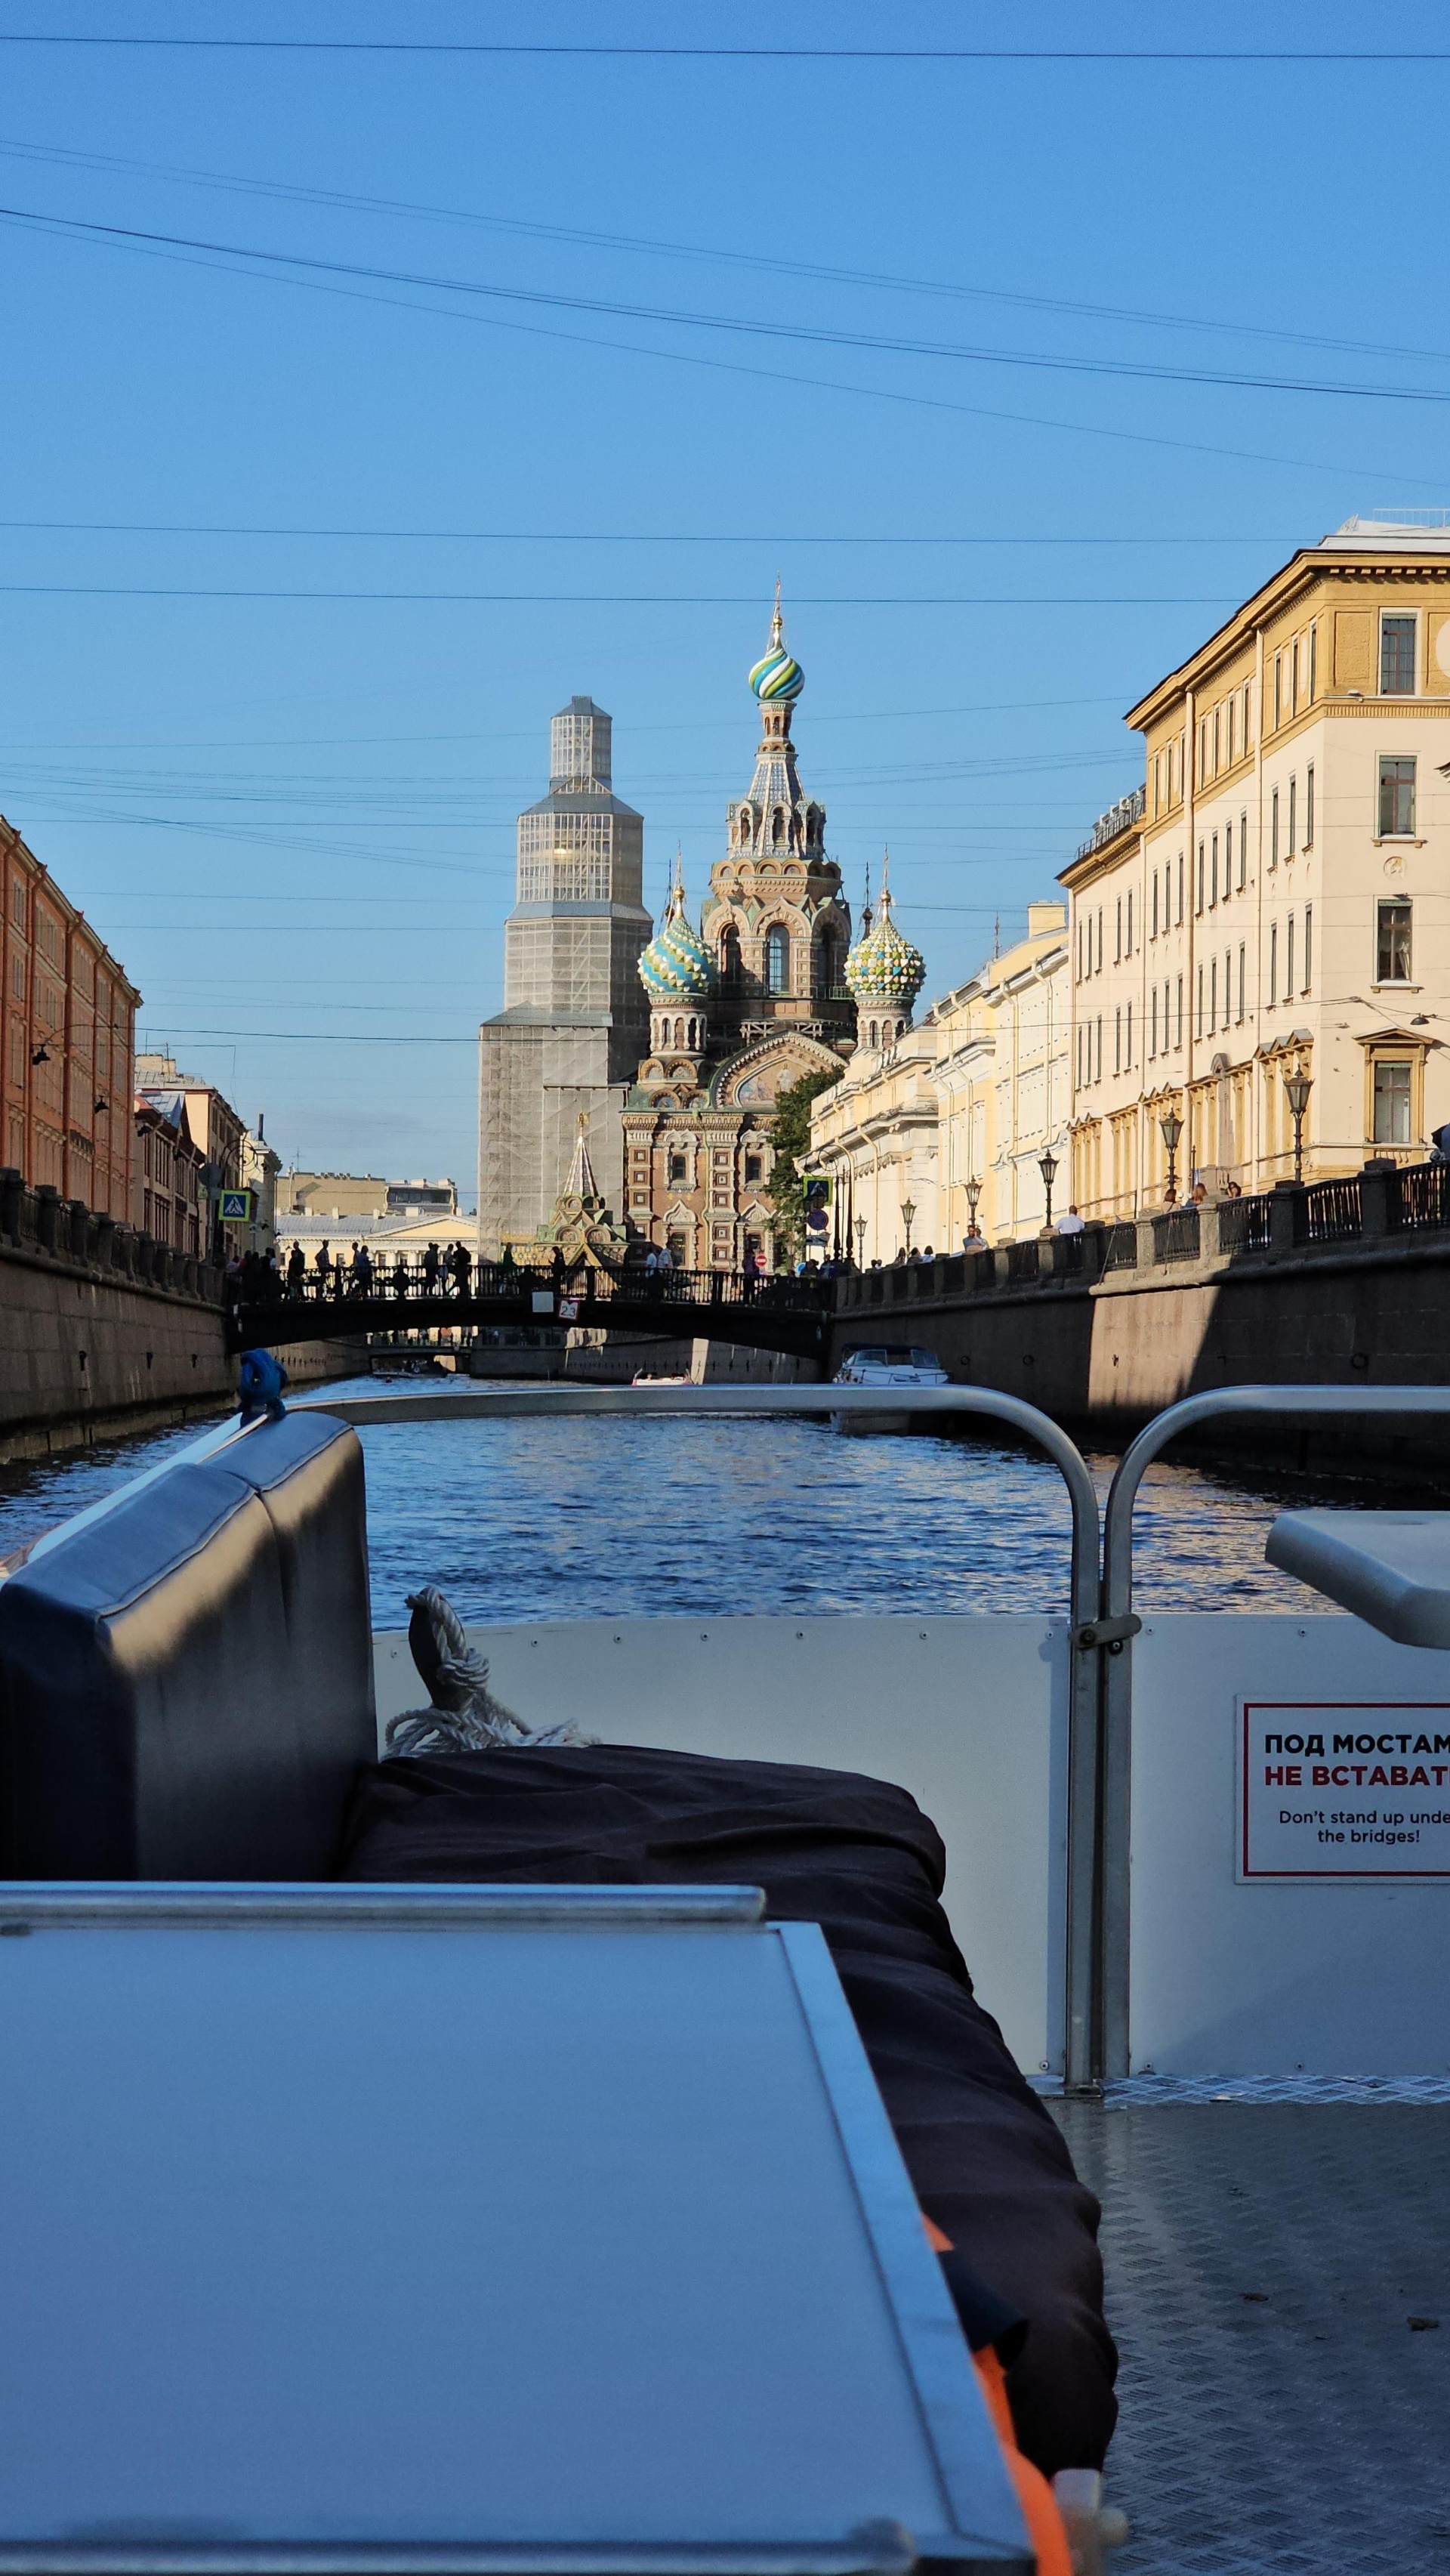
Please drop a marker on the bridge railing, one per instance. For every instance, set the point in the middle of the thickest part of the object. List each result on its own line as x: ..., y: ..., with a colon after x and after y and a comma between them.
x: 416, y: 1279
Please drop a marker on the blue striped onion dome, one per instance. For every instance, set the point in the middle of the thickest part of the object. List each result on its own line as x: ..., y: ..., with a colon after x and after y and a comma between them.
x: 884, y: 967
x: 777, y: 675
x: 676, y: 965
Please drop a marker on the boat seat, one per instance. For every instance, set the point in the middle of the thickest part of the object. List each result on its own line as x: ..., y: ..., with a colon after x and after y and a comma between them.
x: 186, y: 1681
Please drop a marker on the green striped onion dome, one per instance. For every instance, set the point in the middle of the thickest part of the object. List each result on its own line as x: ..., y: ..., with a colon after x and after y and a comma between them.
x: 777, y: 675
x: 884, y: 967
x: 676, y: 965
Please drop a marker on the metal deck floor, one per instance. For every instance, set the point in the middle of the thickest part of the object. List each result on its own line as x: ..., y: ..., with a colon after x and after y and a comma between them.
x: 1304, y: 2427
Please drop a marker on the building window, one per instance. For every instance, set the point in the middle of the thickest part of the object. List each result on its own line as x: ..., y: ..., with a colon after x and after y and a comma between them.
x: 1241, y: 984
x: 1291, y: 844
x: 730, y: 975
x: 1278, y: 688
x: 1309, y: 807
x: 1198, y: 1021
x: 1130, y: 921
x: 1155, y: 903
x: 1153, y: 1025
x: 1397, y: 798
x: 1100, y: 1047
x: 752, y: 1167
x: 1118, y: 934
x: 1228, y: 860
x: 1180, y: 889
x: 1213, y: 997
x: 679, y: 1167
x: 1199, y: 905
x: 1308, y: 945
x: 1294, y: 674
x: 1392, y: 946
x: 676, y: 1243
x: 1397, y: 657
x: 1117, y: 1041
x: 1178, y: 1014
x: 1313, y: 662
x: 777, y: 958
x: 1289, y: 960
x: 1273, y: 961
x: 1274, y: 829
x: 1100, y: 939
x: 1130, y: 1038
x: 1391, y: 1103
x: 1243, y: 849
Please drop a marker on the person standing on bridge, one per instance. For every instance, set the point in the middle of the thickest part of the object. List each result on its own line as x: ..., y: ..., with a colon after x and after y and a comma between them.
x: 430, y: 1271
x: 462, y: 1268
x: 362, y: 1270
x: 400, y: 1274
x: 296, y: 1270
x: 322, y: 1264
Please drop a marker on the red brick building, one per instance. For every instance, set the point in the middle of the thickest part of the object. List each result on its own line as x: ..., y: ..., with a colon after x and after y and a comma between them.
x: 67, y: 1043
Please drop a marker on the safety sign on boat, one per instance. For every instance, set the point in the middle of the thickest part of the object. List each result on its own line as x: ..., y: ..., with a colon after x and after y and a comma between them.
x: 1340, y: 1789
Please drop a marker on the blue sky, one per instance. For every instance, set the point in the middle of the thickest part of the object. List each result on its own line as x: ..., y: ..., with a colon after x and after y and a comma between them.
x: 540, y: 367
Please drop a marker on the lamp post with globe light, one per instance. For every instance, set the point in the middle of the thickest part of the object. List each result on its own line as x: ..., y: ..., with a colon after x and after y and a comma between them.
x: 973, y: 1193
x: 1297, y: 1087
x: 1047, y: 1166
x: 908, y: 1211
x: 1171, y: 1126
x: 860, y: 1242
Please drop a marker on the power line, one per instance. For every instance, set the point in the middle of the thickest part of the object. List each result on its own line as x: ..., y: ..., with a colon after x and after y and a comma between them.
x: 365, y: 45
x: 586, y: 536
x: 1134, y: 370
x: 615, y: 599
x: 577, y: 236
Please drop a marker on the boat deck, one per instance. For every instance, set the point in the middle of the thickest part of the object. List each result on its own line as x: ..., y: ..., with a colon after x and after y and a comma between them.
x: 1264, y: 2263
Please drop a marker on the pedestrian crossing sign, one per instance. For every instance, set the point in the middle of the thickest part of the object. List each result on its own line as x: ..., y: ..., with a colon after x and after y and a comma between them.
x: 234, y: 1207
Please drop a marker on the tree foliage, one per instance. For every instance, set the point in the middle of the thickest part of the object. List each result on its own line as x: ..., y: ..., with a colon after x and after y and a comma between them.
x: 790, y: 1135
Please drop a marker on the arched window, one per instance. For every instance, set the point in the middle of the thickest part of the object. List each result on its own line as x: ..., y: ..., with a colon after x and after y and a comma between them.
x: 679, y: 1033
x: 828, y: 963
x: 777, y: 958
x: 730, y: 960
x: 777, y: 828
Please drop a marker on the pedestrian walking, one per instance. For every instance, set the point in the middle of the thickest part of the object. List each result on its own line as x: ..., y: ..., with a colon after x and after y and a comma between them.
x: 462, y: 1267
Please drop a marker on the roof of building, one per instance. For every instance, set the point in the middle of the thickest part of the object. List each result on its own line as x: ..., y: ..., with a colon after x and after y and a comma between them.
x: 883, y: 966
x: 676, y: 965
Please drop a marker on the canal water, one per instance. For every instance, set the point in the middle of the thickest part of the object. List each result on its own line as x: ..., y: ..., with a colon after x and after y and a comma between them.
x: 598, y: 1516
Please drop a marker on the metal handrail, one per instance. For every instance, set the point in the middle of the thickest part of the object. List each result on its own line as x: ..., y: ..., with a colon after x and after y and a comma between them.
x: 1083, y: 1942
x: 1111, y: 1975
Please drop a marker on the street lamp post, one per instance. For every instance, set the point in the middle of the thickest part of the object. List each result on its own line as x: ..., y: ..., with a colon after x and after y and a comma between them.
x: 1172, y: 1128
x: 1297, y: 1087
x: 974, y: 1192
x: 860, y: 1243
x: 908, y: 1211
x: 1047, y: 1166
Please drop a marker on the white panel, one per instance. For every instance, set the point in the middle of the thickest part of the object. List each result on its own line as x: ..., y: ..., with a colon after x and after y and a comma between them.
x: 969, y: 1714
x: 1232, y: 1979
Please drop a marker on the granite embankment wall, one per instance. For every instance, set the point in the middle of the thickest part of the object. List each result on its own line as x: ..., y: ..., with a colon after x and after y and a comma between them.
x: 1344, y: 1284
x: 104, y: 1332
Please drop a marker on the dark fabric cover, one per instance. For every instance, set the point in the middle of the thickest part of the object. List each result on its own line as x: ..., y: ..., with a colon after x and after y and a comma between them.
x: 858, y: 1857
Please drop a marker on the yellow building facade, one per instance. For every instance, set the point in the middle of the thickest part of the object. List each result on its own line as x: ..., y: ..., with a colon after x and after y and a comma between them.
x: 957, y: 1113
x: 1271, y: 902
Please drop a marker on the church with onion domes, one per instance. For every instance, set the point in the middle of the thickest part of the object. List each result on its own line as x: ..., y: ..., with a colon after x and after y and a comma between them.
x: 762, y: 993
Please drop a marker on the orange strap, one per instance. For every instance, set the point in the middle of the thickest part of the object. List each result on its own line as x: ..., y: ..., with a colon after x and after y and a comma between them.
x: 1035, y: 2496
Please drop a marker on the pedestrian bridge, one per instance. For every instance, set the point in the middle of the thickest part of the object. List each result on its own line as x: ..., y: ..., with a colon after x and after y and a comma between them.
x: 771, y: 1313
